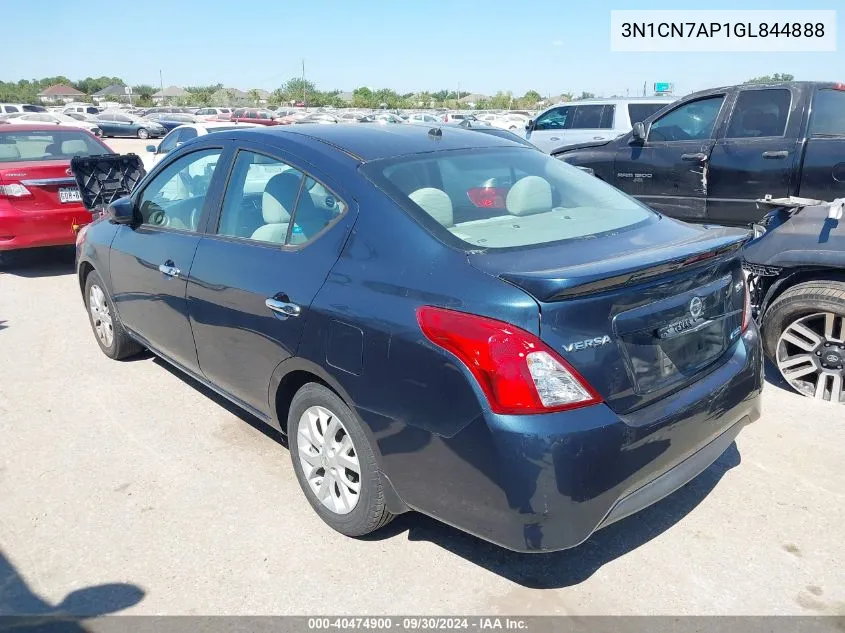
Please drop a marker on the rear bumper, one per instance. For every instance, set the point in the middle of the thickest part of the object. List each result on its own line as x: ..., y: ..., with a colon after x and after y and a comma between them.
x: 20, y: 229
x: 547, y: 482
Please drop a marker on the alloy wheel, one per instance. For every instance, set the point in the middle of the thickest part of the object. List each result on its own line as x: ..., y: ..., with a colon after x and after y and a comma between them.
x: 329, y: 459
x: 101, y: 315
x: 811, y: 356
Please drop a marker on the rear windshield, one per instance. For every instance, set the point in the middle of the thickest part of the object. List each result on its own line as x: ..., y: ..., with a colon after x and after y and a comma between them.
x: 504, y: 198
x: 52, y: 145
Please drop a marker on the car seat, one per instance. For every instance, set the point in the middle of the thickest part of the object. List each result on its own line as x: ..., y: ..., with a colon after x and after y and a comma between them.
x: 529, y: 195
x: 277, y: 202
x: 436, y: 203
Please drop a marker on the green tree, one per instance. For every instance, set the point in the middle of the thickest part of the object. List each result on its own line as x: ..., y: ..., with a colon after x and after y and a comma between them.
x: 202, y: 95
x: 771, y: 79
x: 298, y: 89
x: 587, y: 95
x: 90, y: 85
x: 254, y: 96
x: 363, y: 97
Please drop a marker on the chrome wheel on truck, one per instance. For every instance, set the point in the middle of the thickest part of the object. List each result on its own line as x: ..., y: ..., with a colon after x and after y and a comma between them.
x: 811, y: 356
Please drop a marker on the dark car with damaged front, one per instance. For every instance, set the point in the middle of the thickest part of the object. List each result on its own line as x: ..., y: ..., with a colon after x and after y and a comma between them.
x: 439, y: 320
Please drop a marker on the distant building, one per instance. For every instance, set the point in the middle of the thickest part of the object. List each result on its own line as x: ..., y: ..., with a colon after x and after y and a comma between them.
x: 346, y: 97
x: 170, y: 95
x: 60, y: 93
x: 109, y: 93
x: 472, y: 99
x: 230, y: 97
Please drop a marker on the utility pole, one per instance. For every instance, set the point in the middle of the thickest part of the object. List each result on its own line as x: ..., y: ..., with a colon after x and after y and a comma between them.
x: 644, y: 83
x: 303, y: 83
x: 160, y: 81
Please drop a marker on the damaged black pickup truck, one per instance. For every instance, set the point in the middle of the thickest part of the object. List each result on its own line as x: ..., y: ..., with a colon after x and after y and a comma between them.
x: 709, y: 156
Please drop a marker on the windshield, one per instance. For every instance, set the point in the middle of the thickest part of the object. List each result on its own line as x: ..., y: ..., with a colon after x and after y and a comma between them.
x: 52, y: 145
x: 504, y: 198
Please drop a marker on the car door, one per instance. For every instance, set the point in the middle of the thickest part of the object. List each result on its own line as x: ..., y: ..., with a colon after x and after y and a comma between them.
x: 150, y: 261
x: 547, y: 131
x: 757, y: 154
x: 591, y: 122
x: 107, y: 124
x: 277, y: 236
x: 823, y: 173
x: 668, y: 171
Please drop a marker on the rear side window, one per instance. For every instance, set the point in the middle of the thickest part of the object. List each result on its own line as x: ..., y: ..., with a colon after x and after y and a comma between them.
x: 269, y: 201
x: 760, y: 113
x: 639, y: 112
x: 504, y: 198
x: 12, y: 109
x: 828, y: 118
x: 587, y: 117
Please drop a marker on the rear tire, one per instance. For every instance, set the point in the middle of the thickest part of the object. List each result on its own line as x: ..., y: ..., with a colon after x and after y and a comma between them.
x: 143, y: 134
x: 804, y: 335
x: 331, y: 461
x: 105, y: 322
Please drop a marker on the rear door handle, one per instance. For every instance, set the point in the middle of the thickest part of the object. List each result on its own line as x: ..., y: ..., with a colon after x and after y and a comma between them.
x: 283, y: 308
x: 168, y: 269
x: 699, y: 156
x: 776, y: 154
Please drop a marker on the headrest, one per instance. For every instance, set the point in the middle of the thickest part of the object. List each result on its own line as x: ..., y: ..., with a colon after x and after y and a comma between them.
x: 76, y: 146
x: 436, y: 203
x: 9, y: 150
x: 279, y: 197
x: 529, y: 195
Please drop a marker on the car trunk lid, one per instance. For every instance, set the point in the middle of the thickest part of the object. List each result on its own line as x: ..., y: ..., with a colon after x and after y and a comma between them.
x: 49, y: 186
x: 640, y: 313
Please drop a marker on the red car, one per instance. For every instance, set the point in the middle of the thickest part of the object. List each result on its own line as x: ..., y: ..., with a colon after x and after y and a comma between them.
x: 40, y: 204
x: 255, y: 115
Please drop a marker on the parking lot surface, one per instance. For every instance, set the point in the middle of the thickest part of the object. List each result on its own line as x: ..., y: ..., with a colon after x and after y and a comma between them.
x: 130, y: 475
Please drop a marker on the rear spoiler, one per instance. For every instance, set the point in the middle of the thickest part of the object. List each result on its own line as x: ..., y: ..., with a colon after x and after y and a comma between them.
x: 103, y: 179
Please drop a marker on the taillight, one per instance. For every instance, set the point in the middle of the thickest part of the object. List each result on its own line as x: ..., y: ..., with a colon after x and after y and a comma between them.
x: 746, y: 306
x: 14, y: 191
x: 488, y: 197
x: 518, y: 373
x: 839, y: 86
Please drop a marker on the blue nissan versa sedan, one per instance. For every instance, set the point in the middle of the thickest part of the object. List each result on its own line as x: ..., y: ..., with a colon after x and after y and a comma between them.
x: 440, y: 320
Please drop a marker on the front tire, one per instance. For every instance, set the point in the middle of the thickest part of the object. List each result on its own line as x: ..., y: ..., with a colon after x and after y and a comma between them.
x: 335, y: 463
x: 143, y: 134
x: 804, y: 334
x: 105, y: 322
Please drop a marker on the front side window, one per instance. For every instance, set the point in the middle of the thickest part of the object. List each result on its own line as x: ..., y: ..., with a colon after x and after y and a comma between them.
x: 175, y: 197
x: 760, y: 113
x: 553, y: 119
x: 691, y: 121
x: 639, y: 112
x: 269, y: 201
x: 168, y: 144
x: 828, y: 118
x: 504, y: 198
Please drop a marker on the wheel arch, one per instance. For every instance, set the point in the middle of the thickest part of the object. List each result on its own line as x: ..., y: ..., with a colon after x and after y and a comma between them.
x: 795, y: 277
x: 85, y: 268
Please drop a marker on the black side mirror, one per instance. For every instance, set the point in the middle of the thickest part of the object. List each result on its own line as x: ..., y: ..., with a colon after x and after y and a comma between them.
x: 151, y: 149
x: 122, y: 211
x: 530, y: 125
x: 638, y: 134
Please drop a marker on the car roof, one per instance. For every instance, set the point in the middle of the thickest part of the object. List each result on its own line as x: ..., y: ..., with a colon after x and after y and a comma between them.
x: 44, y: 127
x: 368, y: 143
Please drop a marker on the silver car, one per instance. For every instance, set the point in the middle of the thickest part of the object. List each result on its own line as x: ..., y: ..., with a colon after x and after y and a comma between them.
x: 590, y: 120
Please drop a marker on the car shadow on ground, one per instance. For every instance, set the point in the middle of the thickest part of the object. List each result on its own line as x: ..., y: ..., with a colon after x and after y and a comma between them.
x: 39, y: 262
x: 18, y: 600
x: 570, y: 567
x: 3, y: 325
x: 774, y: 378
x: 536, y: 571
x: 232, y: 408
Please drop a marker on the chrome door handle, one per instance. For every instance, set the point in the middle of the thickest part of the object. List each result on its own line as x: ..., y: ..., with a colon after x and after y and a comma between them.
x: 284, y: 308
x: 168, y: 269
x: 554, y: 138
x: 776, y: 154
x: 699, y: 156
